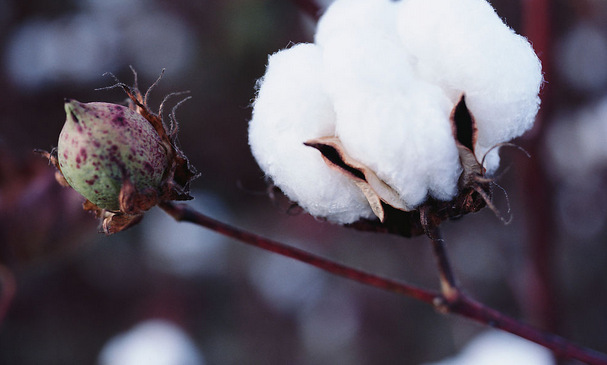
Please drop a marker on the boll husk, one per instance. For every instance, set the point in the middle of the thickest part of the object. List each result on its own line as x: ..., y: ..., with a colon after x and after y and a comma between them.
x: 102, y: 144
x: 123, y: 160
x: 405, y: 101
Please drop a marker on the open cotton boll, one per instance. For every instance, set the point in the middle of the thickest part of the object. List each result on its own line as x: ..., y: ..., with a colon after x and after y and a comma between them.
x: 357, y: 15
x: 465, y: 47
x: 405, y: 139
x: 375, y: 94
x: 292, y: 108
x: 365, y: 61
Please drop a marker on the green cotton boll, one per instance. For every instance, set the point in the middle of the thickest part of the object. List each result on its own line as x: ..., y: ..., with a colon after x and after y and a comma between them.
x: 102, y: 144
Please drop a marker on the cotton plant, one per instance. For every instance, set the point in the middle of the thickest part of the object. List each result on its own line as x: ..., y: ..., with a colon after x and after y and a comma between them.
x: 395, y: 107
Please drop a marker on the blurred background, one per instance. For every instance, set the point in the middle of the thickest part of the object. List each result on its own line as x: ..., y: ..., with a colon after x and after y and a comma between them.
x: 172, y: 293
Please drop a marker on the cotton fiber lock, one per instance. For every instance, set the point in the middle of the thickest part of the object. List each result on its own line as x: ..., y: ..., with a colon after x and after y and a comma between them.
x: 365, y: 113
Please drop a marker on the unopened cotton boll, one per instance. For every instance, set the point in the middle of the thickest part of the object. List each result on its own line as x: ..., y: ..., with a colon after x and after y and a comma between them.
x: 290, y: 109
x: 466, y: 48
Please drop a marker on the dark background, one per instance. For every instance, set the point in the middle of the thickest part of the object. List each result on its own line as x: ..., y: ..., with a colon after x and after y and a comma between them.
x: 76, y: 289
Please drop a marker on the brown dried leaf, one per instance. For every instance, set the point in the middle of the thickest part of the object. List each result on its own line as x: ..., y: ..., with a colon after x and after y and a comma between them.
x: 181, y: 172
x: 372, y: 197
x: 134, y: 202
x: 112, y: 222
x: 375, y: 190
x: 116, y: 222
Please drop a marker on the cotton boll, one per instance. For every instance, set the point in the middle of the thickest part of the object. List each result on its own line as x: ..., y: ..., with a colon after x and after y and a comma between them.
x: 357, y: 15
x: 383, y: 77
x: 405, y: 138
x: 465, y: 48
x: 292, y: 108
x: 365, y: 61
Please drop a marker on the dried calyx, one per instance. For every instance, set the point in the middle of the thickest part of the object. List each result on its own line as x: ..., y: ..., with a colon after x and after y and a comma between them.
x: 123, y: 160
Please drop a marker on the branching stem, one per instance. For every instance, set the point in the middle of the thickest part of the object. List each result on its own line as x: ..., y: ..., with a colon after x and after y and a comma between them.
x: 449, y: 289
x: 183, y: 212
x: 452, y: 300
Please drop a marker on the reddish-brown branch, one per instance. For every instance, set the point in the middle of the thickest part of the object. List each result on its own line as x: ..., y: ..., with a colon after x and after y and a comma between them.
x: 182, y: 212
x: 458, y: 304
x: 447, y: 278
x: 455, y: 301
x: 560, y: 347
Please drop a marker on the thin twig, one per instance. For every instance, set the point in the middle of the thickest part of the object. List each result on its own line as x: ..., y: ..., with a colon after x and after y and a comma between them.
x: 460, y: 305
x: 448, y: 284
x: 455, y: 301
x: 561, y: 347
x: 182, y: 212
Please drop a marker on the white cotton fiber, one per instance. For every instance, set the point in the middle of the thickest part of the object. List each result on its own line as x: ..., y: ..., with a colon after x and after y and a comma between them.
x: 465, y: 47
x: 405, y: 138
x: 346, y: 16
x: 383, y: 77
x: 291, y: 108
x: 358, y: 61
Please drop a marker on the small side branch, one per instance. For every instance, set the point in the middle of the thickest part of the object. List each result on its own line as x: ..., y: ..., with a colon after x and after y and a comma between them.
x: 454, y: 301
x: 448, y: 284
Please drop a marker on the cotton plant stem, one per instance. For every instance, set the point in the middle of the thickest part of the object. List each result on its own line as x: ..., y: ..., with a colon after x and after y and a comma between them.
x: 458, y: 304
x: 455, y: 301
x: 182, y: 212
x: 448, y: 284
x: 561, y: 347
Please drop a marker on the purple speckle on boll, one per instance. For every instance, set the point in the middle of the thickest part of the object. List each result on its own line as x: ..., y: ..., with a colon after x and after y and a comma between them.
x: 119, y: 120
x: 83, y: 154
x: 148, y: 168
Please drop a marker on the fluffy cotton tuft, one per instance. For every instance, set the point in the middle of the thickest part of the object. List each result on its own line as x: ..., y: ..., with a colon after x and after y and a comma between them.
x: 464, y: 46
x: 363, y: 15
x: 292, y: 108
x: 383, y: 77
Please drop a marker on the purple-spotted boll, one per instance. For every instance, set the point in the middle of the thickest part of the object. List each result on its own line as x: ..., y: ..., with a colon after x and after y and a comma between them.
x: 102, y: 145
